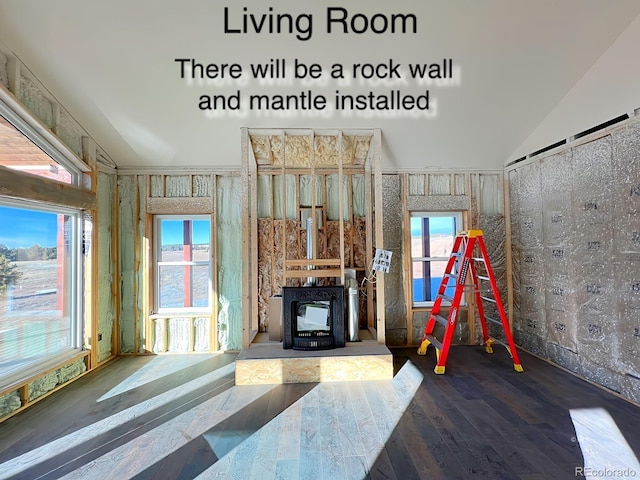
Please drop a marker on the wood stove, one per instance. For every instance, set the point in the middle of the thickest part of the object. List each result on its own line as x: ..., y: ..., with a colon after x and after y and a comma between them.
x: 313, y: 317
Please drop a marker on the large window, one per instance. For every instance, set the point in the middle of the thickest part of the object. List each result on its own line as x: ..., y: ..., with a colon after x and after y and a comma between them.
x: 183, y: 263
x: 432, y: 237
x: 40, y: 301
x: 41, y: 268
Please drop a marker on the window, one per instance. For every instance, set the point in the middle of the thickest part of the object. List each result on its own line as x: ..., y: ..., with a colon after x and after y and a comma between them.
x: 432, y: 237
x: 41, y: 267
x: 18, y: 152
x: 40, y: 298
x: 183, y: 266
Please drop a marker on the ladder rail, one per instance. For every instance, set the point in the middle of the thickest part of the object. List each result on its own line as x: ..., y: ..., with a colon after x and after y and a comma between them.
x: 502, y: 314
x: 480, y: 309
x: 455, y: 307
x: 441, y: 291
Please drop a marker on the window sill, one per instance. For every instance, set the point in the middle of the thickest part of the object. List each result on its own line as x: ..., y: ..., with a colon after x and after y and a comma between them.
x: 180, y: 313
x: 40, y: 369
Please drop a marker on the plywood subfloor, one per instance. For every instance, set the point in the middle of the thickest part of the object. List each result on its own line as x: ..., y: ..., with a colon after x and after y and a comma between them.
x: 183, y: 417
x: 270, y: 363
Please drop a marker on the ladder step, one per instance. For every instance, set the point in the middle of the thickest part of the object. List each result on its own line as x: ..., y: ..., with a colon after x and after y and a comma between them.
x: 493, y: 320
x: 482, y: 277
x: 445, y: 297
x: 440, y: 319
x: 451, y: 275
x: 488, y: 299
x: 478, y: 259
x: 434, y: 341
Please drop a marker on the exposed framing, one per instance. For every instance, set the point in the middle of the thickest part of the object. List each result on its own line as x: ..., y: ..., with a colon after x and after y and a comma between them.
x: 177, y: 206
x: 372, y: 174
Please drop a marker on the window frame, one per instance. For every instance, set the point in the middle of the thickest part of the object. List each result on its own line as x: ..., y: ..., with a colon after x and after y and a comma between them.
x: 48, y: 143
x: 157, y: 251
x: 76, y: 282
x: 458, y: 216
x: 41, y: 136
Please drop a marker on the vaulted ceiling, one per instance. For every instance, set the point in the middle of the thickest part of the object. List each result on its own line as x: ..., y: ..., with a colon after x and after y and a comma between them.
x: 526, y: 73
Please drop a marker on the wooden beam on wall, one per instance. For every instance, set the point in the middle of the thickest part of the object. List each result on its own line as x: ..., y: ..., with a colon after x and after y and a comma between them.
x: 246, y: 243
x: 368, y: 178
x: 379, y: 236
x: 150, y: 281
x: 26, y: 186
x: 506, y: 208
x: 115, y: 256
x: 341, y: 205
x: 91, y: 274
x: 406, y: 260
x: 213, y: 325
x: 169, y: 205
x: 253, y: 179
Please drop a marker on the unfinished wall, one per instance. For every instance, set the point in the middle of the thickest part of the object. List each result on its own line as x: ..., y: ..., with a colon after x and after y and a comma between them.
x: 229, y: 232
x: 140, y: 198
x: 130, y: 315
x: 575, y: 220
x: 299, y: 193
x: 479, y: 196
x: 395, y: 306
x: 106, y: 265
x: 13, y: 401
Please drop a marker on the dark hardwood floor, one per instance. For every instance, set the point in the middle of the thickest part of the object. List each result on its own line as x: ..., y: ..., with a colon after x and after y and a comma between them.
x: 171, y: 417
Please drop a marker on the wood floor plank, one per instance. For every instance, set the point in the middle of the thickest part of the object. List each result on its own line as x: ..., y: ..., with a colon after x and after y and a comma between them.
x: 480, y: 420
x: 382, y: 469
x: 368, y: 434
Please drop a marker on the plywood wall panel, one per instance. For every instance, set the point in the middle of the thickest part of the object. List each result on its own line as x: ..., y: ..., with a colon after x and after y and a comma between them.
x: 265, y: 258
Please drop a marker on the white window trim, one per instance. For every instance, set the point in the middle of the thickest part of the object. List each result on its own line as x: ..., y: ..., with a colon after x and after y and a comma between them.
x: 33, y: 129
x: 459, y: 219
x: 156, y: 268
x: 76, y: 304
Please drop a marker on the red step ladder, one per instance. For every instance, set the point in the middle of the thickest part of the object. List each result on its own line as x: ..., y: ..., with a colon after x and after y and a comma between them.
x: 462, y: 265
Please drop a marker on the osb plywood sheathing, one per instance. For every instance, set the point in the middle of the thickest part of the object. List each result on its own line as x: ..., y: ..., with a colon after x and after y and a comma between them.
x: 359, y: 241
x: 289, y: 241
x: 333, y: 241
x: 265, y: 259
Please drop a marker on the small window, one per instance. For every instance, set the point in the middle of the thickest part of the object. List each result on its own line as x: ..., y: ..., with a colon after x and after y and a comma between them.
x: 183, y: 263
x: 432, y: 237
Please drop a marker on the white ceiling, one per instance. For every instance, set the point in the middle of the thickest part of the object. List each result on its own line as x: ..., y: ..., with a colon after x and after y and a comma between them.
x: 111, y: 64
